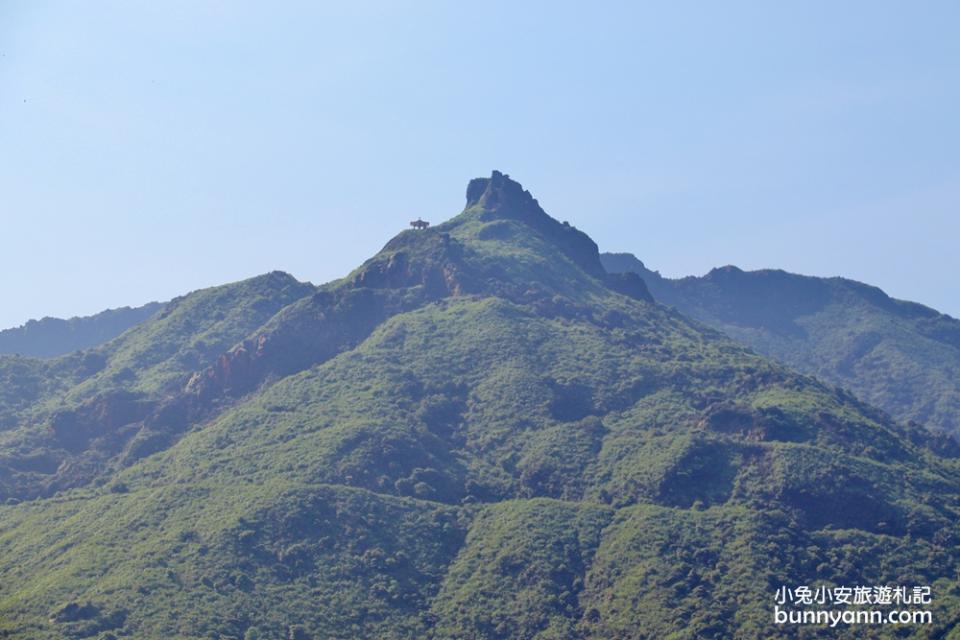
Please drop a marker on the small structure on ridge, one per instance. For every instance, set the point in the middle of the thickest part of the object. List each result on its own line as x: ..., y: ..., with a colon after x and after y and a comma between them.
x: 419, y: 224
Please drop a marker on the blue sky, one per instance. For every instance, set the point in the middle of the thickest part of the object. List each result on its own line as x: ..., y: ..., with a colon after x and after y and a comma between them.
x: 148, y: 149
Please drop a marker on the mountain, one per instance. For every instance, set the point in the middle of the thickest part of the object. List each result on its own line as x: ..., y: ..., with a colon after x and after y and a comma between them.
x: 51, y: 337
x: 900, y: 356
x: 478, y: 433
x: 67, y: 420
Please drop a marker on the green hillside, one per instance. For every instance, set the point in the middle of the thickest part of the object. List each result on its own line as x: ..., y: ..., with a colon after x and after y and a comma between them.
x: 68, y: 420
x: 900, y: 356
x: 479, y: 433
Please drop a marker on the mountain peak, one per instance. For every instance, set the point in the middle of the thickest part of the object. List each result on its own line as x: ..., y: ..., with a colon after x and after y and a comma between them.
x: 726, y: 271
x: 500, y: 193
x: 500, y: 197
x: 469, y: 421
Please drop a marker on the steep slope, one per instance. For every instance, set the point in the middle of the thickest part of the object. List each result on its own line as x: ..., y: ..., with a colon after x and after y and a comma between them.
x: 51, y: 337
x: 900, y: 356
x: 480, y: 434
x: 67, y: 421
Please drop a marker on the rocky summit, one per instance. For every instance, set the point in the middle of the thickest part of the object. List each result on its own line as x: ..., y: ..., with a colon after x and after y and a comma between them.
x: 478, y: 433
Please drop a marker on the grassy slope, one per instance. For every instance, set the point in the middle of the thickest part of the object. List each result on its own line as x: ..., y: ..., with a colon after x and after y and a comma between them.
x: 141, y: 366
x: 189, y: 333
x: 553, y: 463
x: 900, y: 356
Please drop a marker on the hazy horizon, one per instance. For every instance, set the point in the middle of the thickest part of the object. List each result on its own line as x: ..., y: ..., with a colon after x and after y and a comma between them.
x: 158, y: 150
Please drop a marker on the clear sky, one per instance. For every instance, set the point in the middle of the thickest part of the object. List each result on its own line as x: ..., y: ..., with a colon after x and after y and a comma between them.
x: 152, y: 148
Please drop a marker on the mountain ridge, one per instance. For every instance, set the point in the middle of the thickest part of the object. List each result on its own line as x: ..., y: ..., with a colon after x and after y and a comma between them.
x: 50, y: 337
x: 474, y: 434
x: 898, y: 355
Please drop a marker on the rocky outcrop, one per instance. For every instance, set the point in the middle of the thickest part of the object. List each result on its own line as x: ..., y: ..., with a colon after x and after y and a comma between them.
x: 429, y: 259
x: 501, y: 197
x: 413, y: 269
x: 629, y: 284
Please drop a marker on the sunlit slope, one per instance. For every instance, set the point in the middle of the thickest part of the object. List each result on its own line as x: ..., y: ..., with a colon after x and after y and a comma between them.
x: 900, y: 356
x: 69, y: 421
x: 509, y: 444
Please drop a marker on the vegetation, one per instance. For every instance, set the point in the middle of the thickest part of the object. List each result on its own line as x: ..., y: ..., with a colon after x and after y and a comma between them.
x: 474, y: 435
x: 68, y: 420
x: 899, y: 356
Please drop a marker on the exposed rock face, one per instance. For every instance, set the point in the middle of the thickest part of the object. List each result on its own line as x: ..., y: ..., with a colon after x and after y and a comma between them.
x: 502, y: 197
x: 485, y: 441
x: 114, y: 430
x: 429, y: 259
x: 629, y: 284
x: 414, y: 268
